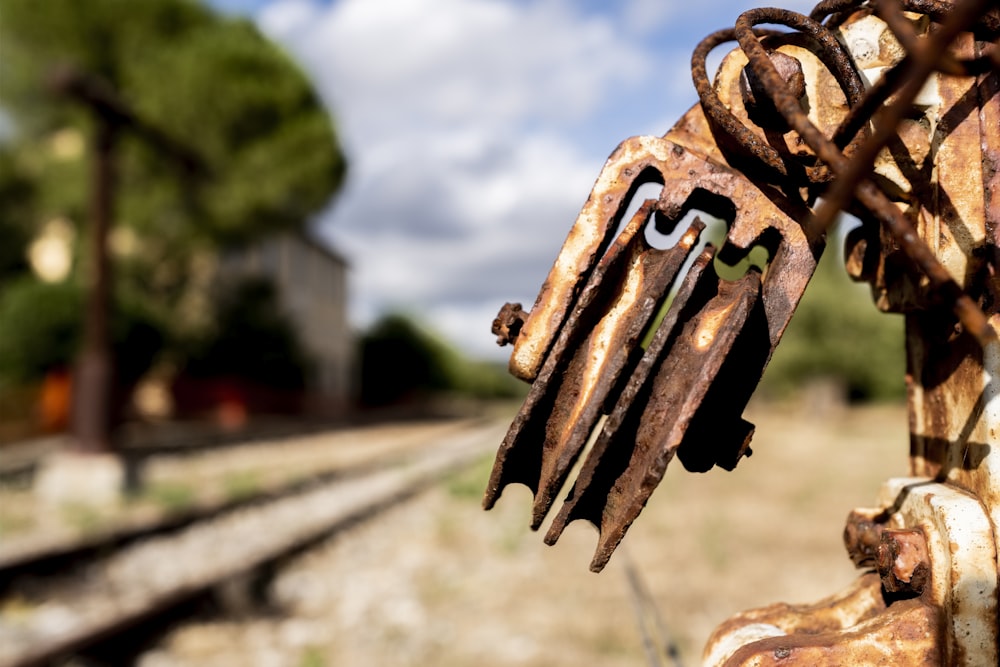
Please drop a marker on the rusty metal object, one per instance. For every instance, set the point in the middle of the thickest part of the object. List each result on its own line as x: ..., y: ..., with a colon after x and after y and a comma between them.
x: 902, y: 561
x: 891, y: 110
x: 597, y: 348
x: 935, y: 551
x: 851, y: 171
x: 962, y: 559
x: 588, y: 359
x: 900, y: 556
x: 671, y: 410
x: 755, y: 100
x: 919, y: 162
x: 854, y: 627
x: 563, y: 343
x: 908, y: 635
x: 508, y: 323
x: 862, y: 536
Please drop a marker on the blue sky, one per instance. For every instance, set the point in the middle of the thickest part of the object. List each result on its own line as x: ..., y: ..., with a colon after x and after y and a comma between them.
x: 474, y: 131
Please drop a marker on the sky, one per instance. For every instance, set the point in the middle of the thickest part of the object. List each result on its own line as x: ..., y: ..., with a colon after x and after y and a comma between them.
x: 474, y: 130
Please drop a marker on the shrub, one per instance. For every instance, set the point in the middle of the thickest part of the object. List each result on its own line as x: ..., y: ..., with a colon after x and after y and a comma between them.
x: 41, y: 327
x: 401, y: 361
x: 838, y: 333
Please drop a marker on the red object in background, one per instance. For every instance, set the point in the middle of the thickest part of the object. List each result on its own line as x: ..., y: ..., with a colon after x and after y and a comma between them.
x: 54, y: 401
x: 231, y: 405
x: 230, y: 401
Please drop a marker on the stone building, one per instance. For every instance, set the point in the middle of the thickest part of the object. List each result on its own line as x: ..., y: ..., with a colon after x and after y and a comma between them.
x: 311, y: 281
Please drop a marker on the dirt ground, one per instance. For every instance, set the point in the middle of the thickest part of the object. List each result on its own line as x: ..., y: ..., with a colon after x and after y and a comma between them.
x: 438, y: 581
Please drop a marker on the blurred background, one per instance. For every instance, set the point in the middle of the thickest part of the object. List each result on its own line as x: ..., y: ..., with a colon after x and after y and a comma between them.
x: 253, y: 219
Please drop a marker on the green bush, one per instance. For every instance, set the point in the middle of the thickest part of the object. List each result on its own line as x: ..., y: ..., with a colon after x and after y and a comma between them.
x: 837, y: 333
x: 41, y: 328
x: 17, y: 213
x: 402, y: 361
x: 399, y: 362
x: 252, y: 339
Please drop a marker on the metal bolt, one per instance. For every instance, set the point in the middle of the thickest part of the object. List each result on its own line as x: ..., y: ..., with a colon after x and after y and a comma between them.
x: 902, y: 561
x: 756, y: 100
x: 862, y: 536
x: 508, y: 323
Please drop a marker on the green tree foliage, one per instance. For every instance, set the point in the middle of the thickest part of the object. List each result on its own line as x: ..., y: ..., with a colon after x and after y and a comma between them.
x: 268, y: 153
x: 401, y: 362
x: 268, y: 149
x: 837, y: 333
x: 17, y: 207
x: 272, y: 155
x: 40, y: 330
x: 252, y: 340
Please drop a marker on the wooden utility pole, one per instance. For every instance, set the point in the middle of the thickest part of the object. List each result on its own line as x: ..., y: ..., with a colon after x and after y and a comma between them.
x: 94, y: 380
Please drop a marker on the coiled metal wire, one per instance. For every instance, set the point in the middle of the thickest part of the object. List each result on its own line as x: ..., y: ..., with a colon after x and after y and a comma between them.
x: 846, y: 159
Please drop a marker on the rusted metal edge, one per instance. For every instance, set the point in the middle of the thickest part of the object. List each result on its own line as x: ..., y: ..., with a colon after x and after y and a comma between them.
x: 710, y: 324
x: 562, y: 409
x: 629, y: 166
x: 545, y: 437
x: 603, y: 466
x: 606, y: 356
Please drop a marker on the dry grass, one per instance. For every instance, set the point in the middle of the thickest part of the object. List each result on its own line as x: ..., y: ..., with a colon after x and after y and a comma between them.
x: 439, y: 582
x: 770, y: 531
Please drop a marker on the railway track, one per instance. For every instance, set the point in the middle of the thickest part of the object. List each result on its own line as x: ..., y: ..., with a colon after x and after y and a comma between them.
x: 305, y: 459
x: 55, y: 606
x: 20, y: 461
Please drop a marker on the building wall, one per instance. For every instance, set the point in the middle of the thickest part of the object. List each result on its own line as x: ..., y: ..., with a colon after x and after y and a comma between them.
x: 311, y: 281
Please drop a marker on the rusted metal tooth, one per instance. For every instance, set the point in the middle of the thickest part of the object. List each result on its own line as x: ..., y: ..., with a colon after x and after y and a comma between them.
x: 689, y: 180
x: 718, y: 435
x: 634, y: 162
x: 649, y: 422
x: 605, y: 355
x: 587, y: 361
x: 681, y: 383
x: 547, y: 434
x: 610, y: 455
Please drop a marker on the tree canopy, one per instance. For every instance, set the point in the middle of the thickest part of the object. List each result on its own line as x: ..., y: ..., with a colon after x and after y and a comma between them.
x: 265, y: 152
x: 215, y: 85
x: 837, y: 333
x: 40, y: 331
x: 17, y: 193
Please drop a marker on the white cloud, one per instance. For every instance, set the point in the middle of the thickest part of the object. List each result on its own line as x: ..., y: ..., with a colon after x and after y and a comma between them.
x: 463, y: 181
x: 645, y: 16
x: 475, y: 129
x: 455, y: 61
